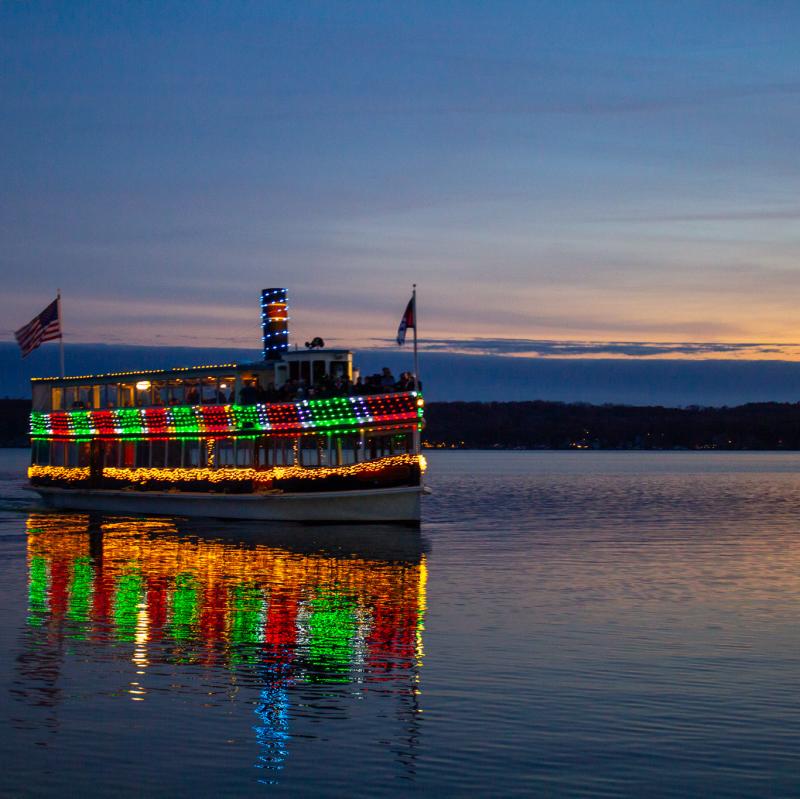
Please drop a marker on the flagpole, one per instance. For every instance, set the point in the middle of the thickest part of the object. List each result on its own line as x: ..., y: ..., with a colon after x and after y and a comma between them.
x: 61, y: 329
x: 416, y: 363
x: 416, y: 436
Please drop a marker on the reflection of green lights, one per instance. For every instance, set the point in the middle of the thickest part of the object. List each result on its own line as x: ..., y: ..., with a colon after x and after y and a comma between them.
x: 247, y: 618
x: 126, y: 605
x: 37, y: 590
x: 80, y: 590
x: 184, y: 606
x: 332, y: 626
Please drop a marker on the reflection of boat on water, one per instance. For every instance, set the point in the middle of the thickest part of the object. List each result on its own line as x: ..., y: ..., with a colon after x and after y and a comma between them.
x: 278, y: 618
x: 293, y: 437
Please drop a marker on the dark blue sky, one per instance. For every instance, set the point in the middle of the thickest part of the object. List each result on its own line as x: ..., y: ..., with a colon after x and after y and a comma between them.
x: 559, y: 173
x: 458, y: 376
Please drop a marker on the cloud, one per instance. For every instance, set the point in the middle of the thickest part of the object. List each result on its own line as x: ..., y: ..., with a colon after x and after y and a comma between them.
x: 544, y: 348
x: 747, y: 215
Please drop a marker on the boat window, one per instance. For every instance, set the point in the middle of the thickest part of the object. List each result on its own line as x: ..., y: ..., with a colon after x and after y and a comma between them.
x: 175, y: 393
x: 83, y: 453
x: 307, y: 451
x: 404, y: 442
x: 342, y: 450
x: 125, y: 395
x: 142, y: 454
x: 56, y: 453
x: 111, y: 453
x: 127, y: 454
x: 40, y: 453
x: 245, y: 449
x: 160, y: 392
x: 194, y: 453
x: 338, y: 369
x: 224, y: 453
x: 294, y: 370
x: 227, y: 388
x: 70, y: 396
x: 319, y: 370
x: 157, y: 452
x: 143, y: 390
x: 208, y: 391
x: 85, y: 397
x: 381, y: 446
x: 174, y: 453
x: 192, y: 392
x: 262, y: 452
x: 280, y: 375
x: 57, y: 397
x: 111, y: 395
x: 281, y: 451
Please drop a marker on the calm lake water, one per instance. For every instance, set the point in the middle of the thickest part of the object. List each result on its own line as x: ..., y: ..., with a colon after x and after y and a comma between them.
x: 594, y: 624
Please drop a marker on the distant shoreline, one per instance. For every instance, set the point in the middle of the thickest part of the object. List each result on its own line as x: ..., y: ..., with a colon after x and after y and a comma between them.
x: 540, y: 425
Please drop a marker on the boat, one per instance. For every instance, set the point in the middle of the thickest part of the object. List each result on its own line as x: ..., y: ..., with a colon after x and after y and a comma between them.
x: 295, y: 436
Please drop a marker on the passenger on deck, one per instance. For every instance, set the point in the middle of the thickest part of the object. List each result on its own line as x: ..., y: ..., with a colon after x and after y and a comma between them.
x: 387, y: 378
x: 249, y: 394
x: 406, y: 382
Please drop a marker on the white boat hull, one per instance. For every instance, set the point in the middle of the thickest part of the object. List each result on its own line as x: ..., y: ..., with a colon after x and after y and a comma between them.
x: 371, y: 505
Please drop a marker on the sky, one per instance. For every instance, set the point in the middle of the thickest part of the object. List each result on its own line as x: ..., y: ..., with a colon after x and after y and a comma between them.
x: 561, y: 179
x: 448, y: 376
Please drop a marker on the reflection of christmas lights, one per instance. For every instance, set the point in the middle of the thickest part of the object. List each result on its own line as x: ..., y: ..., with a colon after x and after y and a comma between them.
x: 277, y: 618
x: 152, y: 586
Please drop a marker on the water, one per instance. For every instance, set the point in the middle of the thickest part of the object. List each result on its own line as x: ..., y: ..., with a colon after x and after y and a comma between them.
x: 594, y: 624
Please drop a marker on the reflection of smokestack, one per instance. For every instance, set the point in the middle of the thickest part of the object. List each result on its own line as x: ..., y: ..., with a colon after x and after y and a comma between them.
x: 275, y: 323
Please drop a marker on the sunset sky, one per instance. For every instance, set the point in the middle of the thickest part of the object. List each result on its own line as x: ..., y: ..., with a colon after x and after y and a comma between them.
x: 561, y: 179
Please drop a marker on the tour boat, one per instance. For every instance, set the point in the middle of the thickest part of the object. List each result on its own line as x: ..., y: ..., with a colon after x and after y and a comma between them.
x: 224, y: 441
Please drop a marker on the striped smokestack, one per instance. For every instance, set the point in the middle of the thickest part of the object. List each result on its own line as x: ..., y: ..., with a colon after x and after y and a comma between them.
x: 275, y: 323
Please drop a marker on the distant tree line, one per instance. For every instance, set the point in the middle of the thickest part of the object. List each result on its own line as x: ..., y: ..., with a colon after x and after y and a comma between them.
x: 14, y: 415
x: 558, y: 425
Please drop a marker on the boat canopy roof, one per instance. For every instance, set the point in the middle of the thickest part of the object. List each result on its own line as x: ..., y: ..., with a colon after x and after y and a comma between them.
x: 205, y: 370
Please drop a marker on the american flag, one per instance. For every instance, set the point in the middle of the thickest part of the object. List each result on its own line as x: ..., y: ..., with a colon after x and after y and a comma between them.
x: 44, y: 327
x: 407, y: 321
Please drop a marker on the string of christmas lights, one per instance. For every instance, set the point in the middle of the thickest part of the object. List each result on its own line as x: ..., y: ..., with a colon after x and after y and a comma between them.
x: 261, y: 478
x: 337, y: 414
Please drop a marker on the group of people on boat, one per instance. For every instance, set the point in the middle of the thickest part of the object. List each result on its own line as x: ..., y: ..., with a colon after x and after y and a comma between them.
x: 252, y: 393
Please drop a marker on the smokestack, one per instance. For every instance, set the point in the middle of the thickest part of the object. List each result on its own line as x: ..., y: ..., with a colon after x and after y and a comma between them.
x: 275, y: 323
